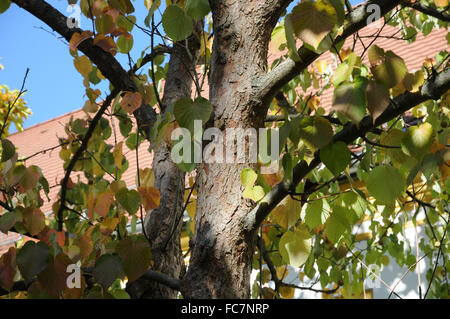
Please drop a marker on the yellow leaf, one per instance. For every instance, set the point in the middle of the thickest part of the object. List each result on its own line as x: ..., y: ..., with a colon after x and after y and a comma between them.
x: 150, y: 197
x: 147, y: 177
x: 282, y: 272
x: 321, y: 65
x: 441, y: 3
x: 191, y: 208
x: 287, y: 292
x: 83, y: 65
x: 254, y: 193
x: 287, y: 213
x: 90, y: 107
x: 77, y: 38
x: 108, y: 225
x: 118, y: 155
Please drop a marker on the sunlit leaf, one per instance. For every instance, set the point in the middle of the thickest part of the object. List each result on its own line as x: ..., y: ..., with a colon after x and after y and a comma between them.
x: 177, y: 24
x: 197, y: 9
x: 295, y: 247
x: 385, y: 183
x: 417, y: 140
x: 336, y: 157
x: 312, y: 21
x: 150, y: 197
x: 350, y: 99
x: 187, y: 111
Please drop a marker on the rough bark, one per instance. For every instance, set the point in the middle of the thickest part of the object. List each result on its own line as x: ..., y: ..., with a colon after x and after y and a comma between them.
x: 163, y: 225
x: 221, y: 258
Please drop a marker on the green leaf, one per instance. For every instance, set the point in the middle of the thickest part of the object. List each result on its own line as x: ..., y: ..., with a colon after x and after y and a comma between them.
x: 287, y: 213
x: 336, y: 157
x: 316, y: 213
x: 4, y: 5
x: 350, y: 99
x: 337, y: 224
x: 176, y: 23
x: 8, y: 220
x: 340, y: 10
x: 344, y: 70
x: 316, y: 132
x: 126, y: 22
x: 104, y: 24
x: 290, y: 40
x: 295, y: 247
x: 312, y: 21
x: 394, y: 138
x: 131, y: 141
x: 417, y: 140
x: 187, y: 111
x: 124, y: 43
x: 387, y: 67
x: 129, y: 199
x: 8, y: 150
x: 385, y: 183
x: 107, y: 269
x: 248, y: 177
x: 254, y: 193
x: 120, y: 294
x: 197, y: 9
x: 32, y: 259
x: 136, y: 256
x: 355, y: 206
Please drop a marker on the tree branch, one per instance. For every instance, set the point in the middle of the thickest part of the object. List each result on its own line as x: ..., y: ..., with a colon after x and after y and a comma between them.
x: 107, y: 64
x: 280, y: 283
x: 79, y: 152
x: 433, y: 88
x: 163, y: 279
x: 427, y: 10
x: 272, y: 82
x: 149, y: 274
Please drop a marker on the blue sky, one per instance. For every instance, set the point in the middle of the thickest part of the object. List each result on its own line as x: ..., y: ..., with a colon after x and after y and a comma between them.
x: 54, y: 86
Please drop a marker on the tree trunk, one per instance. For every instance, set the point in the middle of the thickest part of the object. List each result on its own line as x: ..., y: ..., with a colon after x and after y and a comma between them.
x: 163, y: 225
x: 222, y: 255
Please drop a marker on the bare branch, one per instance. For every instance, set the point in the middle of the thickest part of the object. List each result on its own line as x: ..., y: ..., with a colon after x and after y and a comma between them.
x: 79, y: 152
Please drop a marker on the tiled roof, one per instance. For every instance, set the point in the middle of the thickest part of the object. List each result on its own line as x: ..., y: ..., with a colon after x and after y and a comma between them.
x: 45, y: 135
